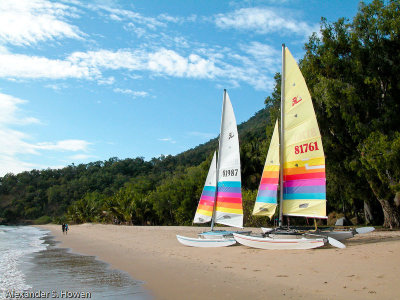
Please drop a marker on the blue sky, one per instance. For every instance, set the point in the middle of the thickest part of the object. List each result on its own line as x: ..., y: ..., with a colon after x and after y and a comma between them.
x: 82, y: 81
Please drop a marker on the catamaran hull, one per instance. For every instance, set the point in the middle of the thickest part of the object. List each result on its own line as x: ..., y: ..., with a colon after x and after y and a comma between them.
x: 339, y: 235
x: 269, y: 243
x: 218, y: 234
x: 206, y: 243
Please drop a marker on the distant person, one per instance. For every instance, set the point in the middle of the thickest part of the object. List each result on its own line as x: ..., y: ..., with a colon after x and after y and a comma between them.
x: 63, y: 228
x: 66, y: 228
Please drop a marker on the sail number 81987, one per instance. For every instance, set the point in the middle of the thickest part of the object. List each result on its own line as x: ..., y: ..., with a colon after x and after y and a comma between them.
x: 231, y: 172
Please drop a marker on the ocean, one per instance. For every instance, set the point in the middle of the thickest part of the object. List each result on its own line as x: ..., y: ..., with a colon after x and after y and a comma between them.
x: 32, y: 267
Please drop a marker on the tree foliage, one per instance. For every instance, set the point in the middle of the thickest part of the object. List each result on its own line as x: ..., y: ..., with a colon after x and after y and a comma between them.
x: 352, y: 71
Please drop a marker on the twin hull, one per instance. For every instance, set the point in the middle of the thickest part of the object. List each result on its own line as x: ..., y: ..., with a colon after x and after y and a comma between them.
x: 275, y: 243
x: 206, y: 243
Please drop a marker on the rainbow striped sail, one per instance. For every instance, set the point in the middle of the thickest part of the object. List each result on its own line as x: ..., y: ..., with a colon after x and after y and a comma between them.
x: 266, y: 200
x: 228, y: 209
x: 207, y: 200
x: 304, y: 182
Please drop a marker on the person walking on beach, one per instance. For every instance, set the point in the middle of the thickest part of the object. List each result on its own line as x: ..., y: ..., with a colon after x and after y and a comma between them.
x: 63, y: 228
x: 66, y: 228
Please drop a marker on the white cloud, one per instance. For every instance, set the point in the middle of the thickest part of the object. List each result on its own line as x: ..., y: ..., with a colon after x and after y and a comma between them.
x: 169, y: 140
x: 27, y: 22
x: 128, y: 15
x: 9, y: 111
x: 24, y: 66
x: 132, y: 93
x: 10, y: 164
x: 263, y: 54
x: 222, y: 64
x: 264, y: 20
x: 15, y: 142
x: 65, y: 145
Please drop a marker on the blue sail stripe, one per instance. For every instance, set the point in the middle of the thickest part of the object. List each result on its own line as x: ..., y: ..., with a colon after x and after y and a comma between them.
x: 305, y: 189
x: 209, y: 188
x: 227, y: 189
x: 311, y: 196
x: 266, y: 199
x: 235, y: 184
x: 208, y: 193
x: 267, y: 193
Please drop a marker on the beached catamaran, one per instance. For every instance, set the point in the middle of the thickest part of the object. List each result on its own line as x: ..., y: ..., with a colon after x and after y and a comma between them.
x: 298, y: 164
x: 221, y: 199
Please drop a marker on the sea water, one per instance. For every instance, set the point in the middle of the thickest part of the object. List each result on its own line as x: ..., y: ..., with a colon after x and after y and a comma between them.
x: 32, y: 267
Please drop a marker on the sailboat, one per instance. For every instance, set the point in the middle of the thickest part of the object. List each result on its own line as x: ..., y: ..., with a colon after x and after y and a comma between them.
x: 301, y: 163
x: 221, y: 199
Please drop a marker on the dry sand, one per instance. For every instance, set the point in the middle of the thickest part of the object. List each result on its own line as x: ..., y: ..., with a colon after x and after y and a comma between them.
x: 368, y: 268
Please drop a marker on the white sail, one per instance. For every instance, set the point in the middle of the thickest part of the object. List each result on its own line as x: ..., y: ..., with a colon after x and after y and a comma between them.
x: 228, y: 210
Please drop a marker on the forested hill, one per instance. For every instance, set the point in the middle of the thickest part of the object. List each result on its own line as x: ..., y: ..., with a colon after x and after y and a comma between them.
x: 352, y: 70
x: 94, y: 190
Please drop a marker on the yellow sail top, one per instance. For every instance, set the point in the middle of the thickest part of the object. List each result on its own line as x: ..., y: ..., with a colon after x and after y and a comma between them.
x: 304, y: 187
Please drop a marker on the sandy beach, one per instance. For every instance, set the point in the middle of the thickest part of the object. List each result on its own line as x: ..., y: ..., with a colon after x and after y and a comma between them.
x: 367, y: 269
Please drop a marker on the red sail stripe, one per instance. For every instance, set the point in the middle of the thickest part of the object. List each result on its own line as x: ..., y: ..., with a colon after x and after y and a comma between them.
x: 229, y: 200
x: 269, y: 180
x: 305, y: 176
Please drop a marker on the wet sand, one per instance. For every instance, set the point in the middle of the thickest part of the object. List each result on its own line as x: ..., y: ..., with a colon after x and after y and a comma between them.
x: 367, y: 269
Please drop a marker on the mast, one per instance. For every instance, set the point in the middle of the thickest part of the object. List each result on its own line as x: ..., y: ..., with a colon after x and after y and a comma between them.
x: 218, y: 161
x: 282, y: 137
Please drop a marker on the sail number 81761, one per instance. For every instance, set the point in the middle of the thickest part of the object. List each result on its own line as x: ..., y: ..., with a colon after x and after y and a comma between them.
x: 306, y: 148
x: 231, y: 172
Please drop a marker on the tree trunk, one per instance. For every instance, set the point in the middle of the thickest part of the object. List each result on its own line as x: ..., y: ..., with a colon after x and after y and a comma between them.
x: 397, y: 199
x: 367, y: 213
x: 391, y: 213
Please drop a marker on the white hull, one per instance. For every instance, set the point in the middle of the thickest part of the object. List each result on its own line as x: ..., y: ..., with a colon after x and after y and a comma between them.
x: 206, y: 243
x: 270, y: 243
x: 218, y: 234
x: 339, y: 235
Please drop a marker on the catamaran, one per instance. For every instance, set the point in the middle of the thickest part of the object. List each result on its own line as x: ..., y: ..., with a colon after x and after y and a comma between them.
x: 221, y: 199
x: 297, y: 164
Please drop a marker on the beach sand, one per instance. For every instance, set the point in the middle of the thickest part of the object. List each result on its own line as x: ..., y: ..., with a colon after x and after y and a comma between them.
x: 367, y: 269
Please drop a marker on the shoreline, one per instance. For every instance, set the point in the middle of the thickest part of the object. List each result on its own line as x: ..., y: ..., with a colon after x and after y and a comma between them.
x: 366, y: 269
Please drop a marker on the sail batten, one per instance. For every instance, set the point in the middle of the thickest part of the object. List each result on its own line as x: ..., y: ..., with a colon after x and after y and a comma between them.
x: 304, y: 179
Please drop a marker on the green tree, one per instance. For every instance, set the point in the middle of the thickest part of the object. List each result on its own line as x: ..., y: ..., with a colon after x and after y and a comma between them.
x: 353, y: 72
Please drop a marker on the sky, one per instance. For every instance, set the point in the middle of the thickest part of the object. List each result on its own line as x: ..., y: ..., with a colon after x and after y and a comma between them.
x: 83, y: 81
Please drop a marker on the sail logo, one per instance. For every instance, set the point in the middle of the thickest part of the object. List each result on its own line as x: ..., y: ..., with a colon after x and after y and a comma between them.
x: 304, y: 205
x: 296, y: 100
x: 231, y: 135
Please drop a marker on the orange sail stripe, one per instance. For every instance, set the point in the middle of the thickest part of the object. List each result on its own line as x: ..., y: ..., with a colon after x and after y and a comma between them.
x: 270, y: 174
x: 229, y: 205
x: 301, y: 170
x: 205, y: 207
